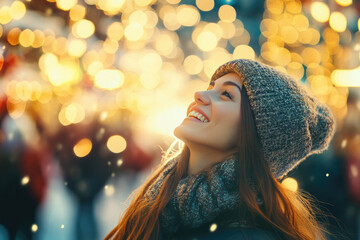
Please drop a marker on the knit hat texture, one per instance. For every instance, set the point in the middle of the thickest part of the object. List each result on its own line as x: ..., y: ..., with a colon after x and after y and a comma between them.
x: 291, y: 123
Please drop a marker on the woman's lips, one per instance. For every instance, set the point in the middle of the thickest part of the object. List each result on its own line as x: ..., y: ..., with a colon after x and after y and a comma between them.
x: 193, y: 119
x: 197, y: 109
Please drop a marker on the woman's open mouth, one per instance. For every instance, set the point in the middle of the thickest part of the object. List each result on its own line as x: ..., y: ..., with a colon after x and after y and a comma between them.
x: 197, y: 116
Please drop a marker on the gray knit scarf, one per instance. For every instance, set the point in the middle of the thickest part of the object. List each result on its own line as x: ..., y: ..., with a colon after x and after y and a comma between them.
x: 200, y: 198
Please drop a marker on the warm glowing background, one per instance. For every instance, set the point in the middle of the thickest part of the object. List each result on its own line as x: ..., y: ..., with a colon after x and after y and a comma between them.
x: 107, y: 79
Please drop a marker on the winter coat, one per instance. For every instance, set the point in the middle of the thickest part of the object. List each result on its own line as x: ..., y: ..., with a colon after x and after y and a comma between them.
x: 204, y: 206
x: 228, y: 232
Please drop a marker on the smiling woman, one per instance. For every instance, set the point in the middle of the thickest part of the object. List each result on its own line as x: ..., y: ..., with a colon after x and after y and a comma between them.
x: 224, y: 183
x: 216, y: 139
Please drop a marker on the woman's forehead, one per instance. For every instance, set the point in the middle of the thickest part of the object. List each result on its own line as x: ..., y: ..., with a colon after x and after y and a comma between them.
x: 230, y: 77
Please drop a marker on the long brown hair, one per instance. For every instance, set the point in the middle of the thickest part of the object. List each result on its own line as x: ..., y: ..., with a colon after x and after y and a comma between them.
x: 288, y: 214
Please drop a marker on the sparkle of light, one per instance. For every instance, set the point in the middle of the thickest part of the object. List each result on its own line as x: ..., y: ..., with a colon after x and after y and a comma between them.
x: 343, y: 143
x: 109, y: 190
x: 119, y: 162
x: 213, y: 227
x: 25, y: 180
x: 34, y: 227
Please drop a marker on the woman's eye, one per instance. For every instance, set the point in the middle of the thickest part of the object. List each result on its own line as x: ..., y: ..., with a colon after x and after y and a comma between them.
x: 228, y: 94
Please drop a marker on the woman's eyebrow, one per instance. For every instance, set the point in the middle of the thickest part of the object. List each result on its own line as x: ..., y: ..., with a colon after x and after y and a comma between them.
x: 212, y: 83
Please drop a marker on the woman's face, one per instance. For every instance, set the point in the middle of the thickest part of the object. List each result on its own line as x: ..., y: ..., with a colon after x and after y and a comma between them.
x: 220, y: 105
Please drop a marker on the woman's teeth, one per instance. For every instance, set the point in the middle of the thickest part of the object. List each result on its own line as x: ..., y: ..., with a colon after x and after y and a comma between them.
x: 198, y: 116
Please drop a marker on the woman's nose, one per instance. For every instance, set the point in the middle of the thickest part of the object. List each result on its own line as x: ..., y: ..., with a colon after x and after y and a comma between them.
x: 201, y: 98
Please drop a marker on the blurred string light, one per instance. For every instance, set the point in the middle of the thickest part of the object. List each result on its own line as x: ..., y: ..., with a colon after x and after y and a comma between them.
x: 133, y: 52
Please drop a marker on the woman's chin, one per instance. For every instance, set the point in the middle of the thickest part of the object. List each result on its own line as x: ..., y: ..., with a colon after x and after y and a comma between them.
x: 178, y: 133
x: 181, y: 134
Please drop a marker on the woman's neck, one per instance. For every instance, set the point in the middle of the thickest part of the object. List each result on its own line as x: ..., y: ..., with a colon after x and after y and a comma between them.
x: 203, y: 158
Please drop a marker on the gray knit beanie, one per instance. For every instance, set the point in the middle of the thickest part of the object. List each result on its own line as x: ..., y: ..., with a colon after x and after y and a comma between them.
x: 291, y: 123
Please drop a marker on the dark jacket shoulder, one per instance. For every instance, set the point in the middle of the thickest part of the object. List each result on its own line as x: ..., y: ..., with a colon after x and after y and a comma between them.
x: 236, y: 233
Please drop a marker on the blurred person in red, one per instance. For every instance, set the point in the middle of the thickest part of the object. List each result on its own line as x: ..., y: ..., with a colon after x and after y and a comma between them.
x: 24, y: 158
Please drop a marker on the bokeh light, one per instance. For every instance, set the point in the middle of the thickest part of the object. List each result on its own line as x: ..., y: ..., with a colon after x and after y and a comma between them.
x: 193, y: 64
x: 338, y: 21
x: 320, y: 11
x: 83, y: 147
x: 83, y: 28
x: 344, y: 3
x: 206, y: 41
x: 109, y: 79
x: 227, y: 13
x: 116, y: 144
x: 5, y: 14
x: 187, y: 15
x: 18, y: 10
x: 205, y: 5
x: 26, y: 38
x: 65, y: 4
x: 134, y: 31
x: 77, y: 12
x: 290, y: 183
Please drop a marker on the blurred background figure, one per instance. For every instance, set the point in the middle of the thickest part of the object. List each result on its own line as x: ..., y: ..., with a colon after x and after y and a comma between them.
x: 88, y: 157
x: 349, y: 142
x: 24, y: 158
